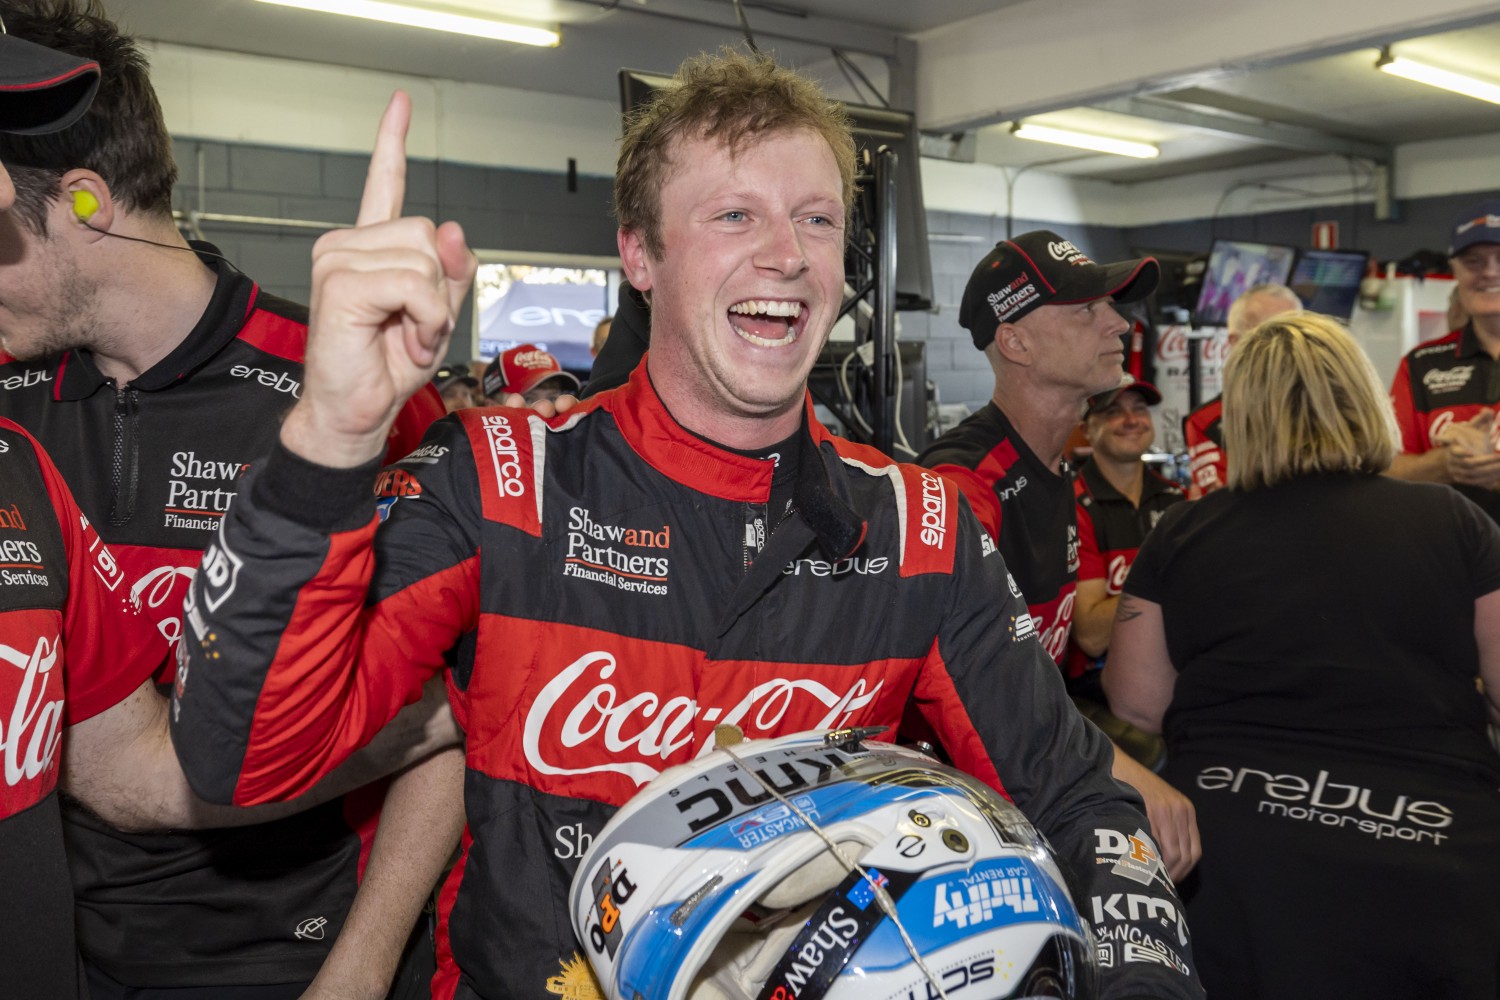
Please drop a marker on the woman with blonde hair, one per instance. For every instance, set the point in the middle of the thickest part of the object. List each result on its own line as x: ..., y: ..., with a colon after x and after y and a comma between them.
x: 1308, y: 640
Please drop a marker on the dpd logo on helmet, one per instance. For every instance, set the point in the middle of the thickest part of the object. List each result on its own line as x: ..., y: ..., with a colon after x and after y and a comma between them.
x: 610, y: 893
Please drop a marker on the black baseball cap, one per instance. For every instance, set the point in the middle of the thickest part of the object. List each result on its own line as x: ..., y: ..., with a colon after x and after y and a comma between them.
x: 1479, y: 224
x: 1150, y: 393
x: 41, y: 89
x: 1040, y: 269
x: 449, y: 374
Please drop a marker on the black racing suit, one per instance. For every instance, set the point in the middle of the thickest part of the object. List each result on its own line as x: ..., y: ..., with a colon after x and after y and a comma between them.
x: 603, y: 588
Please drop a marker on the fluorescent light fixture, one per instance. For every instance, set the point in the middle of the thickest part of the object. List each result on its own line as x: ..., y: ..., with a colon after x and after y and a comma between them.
x: 1433, y: 76
x: 1085, y: 140
x: 426, y: 17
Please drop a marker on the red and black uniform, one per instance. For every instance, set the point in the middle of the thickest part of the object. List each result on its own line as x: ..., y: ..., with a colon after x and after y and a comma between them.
x: 1026, y: 507
x: 1110, y: 530
x: 155, y: 464
x: 1203, y: 431
x: 1443, y: 381
x: 73, y: 645
x: 602, y: 589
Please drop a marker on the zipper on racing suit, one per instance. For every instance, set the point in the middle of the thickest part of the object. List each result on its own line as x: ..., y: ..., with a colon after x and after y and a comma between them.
x: 124, y: 468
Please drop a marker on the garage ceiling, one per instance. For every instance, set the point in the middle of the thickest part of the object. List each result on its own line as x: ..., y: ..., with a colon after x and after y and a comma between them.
x: 1338, y: 97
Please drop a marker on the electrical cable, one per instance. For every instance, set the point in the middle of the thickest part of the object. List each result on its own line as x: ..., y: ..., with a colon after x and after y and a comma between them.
x: 154, y: 243
x: 739, y: 12
x: 844, y: 60
x: 881, y: 895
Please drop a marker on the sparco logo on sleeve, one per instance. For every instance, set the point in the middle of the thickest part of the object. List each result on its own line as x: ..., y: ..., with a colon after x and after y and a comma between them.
x: 501, y: 435
x: 583, y: 723
x: 934, y: 510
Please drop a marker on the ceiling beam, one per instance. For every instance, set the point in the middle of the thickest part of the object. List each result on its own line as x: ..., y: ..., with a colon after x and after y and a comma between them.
x: 1269, y: 133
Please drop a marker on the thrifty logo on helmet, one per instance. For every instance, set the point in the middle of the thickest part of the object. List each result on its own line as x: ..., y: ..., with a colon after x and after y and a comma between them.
x: 582, y: 723
x: 976, y: 899
x: 934, y: 510
x: 610, y: 553
x: 501, y: 435
x: 612, y: 890
x: 1013, y: 298
x: 1134, y: 857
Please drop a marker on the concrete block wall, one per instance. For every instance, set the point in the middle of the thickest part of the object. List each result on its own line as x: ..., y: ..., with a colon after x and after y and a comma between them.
x: 499, y: 208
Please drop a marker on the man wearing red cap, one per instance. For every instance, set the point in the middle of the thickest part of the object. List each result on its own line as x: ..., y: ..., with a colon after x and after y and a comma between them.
x: 1044, y: 315
x: 529, y: 372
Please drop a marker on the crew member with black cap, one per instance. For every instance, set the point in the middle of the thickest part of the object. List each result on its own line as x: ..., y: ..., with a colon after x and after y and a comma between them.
x: 1445, y: 390
x: 1119, y: 501
x: 1044, y: 315
x: 458, y: 387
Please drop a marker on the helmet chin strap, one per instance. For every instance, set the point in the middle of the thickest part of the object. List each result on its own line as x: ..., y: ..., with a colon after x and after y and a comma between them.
x: 725, y: 738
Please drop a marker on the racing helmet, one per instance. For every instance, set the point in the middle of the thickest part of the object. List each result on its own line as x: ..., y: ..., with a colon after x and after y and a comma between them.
x: 719, y: 881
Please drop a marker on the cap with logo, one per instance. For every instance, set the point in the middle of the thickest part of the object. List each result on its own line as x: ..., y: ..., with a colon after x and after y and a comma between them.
x: 42, y: 90
x: 1150, y: 393
x: 1041, y: 268
x: 1479, y: 224
x: 523, y: 368
x: 452, y: 374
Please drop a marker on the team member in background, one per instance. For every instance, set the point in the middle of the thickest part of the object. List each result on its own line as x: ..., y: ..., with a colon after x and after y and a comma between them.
x: 1445, y: 390
x: 601, y: 334
x: 458, y: 387
x: 1207, y: 470
x: 606, y: 587
x: 529, y: 372
x: 1119, y: 501
x: 154, y: 375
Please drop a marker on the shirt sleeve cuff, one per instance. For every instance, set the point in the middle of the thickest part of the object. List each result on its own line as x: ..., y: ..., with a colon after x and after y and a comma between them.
x: 316, y: 496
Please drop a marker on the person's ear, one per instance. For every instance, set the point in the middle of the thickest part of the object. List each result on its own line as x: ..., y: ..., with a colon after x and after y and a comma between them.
x: 87, y: 200
x: 636, y: 260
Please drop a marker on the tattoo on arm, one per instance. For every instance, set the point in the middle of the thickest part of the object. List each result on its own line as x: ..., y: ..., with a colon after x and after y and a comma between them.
x: 1127, y: 609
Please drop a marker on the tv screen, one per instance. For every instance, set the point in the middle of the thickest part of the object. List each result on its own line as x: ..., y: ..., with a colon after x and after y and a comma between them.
x: 1327, y: 281
x: 873, y: 128
x: 1233, y: 267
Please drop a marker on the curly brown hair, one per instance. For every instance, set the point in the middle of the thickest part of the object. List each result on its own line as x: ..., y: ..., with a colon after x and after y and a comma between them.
x: 730, y: 96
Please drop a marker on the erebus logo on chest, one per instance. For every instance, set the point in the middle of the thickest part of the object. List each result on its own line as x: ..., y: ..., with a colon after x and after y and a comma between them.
x: 197, y: 496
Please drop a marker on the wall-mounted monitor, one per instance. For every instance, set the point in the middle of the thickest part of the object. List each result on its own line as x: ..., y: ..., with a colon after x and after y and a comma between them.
x: 1327, y: 281
x: 873, y: 128
x: 1234, y: 266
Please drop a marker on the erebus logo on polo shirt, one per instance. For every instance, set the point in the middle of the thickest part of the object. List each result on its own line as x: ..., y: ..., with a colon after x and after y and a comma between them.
x: 280, y: 381
x: 26, y: 379
x: 1441, y: 380
x: 631, y: 559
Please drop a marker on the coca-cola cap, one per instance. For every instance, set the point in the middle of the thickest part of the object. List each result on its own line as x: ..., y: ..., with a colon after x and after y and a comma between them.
x: 1041, y: 268
x: 523, y: 368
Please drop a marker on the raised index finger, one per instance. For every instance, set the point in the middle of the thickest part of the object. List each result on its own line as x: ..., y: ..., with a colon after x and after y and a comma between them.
x: 385, y: 184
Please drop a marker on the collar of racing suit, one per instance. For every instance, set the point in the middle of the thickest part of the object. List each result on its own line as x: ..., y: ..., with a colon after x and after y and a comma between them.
x: 233, y: 298
x: 822, y: 501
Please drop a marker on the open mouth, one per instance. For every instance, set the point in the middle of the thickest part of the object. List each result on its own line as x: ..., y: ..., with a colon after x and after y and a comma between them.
x: 767, y: 322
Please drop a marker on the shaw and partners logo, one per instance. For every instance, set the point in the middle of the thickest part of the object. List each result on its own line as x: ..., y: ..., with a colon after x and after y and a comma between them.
x: 583, y: 723
x: 629, y: 559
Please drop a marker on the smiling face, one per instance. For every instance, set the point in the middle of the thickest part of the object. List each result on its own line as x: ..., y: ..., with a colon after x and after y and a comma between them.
x: 1076, y: 348
x: 748, y: 283
x: 1477, y: 271
x: 1122, y: 431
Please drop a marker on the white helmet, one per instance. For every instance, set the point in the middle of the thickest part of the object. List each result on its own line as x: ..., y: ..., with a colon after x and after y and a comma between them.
x: 719, y: 881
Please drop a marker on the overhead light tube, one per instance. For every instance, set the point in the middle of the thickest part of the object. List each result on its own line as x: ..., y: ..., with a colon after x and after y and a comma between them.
x: 1085, y: 140
x: 1433, y: 76
x: 437, y: 20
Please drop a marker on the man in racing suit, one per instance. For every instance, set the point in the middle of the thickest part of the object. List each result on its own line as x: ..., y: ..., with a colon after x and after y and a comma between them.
x: 154, y: 374
x: 604, y: 587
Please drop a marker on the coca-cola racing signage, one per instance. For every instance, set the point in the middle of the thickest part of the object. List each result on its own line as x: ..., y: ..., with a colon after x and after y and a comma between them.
x: 1173, y: 357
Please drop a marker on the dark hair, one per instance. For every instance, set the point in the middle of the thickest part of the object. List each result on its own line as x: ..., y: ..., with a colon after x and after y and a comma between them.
x: 735, y: 98
x: 122, y: 137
